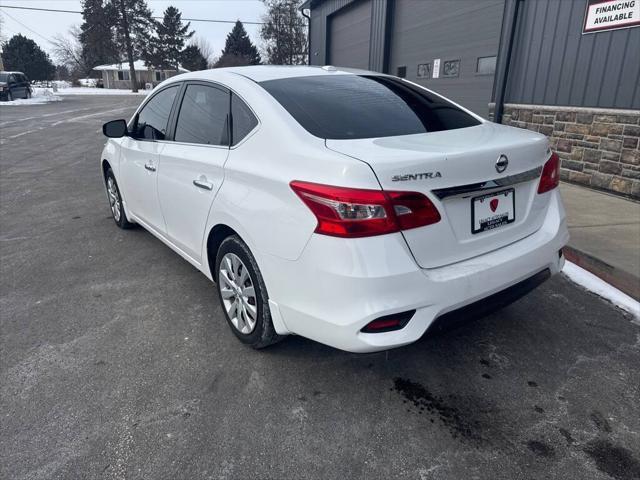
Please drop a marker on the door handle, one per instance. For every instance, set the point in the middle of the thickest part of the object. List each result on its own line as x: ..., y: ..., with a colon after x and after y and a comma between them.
x: 203, y: 184
x: 150, y: 167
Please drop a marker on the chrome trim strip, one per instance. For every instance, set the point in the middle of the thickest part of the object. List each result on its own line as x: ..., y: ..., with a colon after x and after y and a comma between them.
x: 532, y: 174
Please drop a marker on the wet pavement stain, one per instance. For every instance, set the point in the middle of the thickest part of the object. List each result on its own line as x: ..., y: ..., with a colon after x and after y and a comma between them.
x: 614, y: 460
x: 567, y: 435
x: 541, y: 449
x: 600, y: 421
x: 459, y: 424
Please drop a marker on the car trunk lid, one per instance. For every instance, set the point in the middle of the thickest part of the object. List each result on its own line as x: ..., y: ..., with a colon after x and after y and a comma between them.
x: 453, y: 168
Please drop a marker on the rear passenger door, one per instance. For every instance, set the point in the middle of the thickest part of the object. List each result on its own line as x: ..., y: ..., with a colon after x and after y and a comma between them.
x: 24, y: 83
x: 191, y: 167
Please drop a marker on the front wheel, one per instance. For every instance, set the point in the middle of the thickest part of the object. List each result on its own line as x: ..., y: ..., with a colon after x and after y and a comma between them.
x: 243, y: 294
x: 115, y: 201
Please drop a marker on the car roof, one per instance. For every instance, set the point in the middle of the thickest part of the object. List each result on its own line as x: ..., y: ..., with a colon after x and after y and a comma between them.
x: 262, y: 73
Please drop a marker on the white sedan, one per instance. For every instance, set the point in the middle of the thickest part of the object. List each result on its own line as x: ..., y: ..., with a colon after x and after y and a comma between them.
x: 350, y: 207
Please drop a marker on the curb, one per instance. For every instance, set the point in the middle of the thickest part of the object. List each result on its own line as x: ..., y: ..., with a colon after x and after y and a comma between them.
x: 623, y: 281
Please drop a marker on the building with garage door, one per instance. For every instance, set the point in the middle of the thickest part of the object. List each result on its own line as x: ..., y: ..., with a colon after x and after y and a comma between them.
x: 567, y: 68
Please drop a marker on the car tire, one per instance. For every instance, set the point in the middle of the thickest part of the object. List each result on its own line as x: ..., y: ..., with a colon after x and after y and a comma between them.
x: 237, y: 274
x: 115, y: 201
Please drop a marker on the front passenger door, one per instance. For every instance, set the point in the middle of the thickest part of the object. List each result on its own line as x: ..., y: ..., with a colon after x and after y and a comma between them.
x: 139, y: 158
x: 192, y: 166
x: 14, y: 87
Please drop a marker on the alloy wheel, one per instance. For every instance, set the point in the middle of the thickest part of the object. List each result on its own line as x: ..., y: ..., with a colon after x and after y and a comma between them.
x: 238, y: 293
x: 114, y: 198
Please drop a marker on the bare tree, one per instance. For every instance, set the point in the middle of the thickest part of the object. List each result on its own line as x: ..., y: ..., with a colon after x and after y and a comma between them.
x: 68, y: 51
x: 206, y: 49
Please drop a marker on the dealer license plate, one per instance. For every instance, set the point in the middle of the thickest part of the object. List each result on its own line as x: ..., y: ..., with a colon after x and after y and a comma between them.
x: 493, y: 210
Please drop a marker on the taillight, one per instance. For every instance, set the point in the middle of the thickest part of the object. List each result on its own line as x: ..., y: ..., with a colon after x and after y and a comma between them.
x: 355, y: 212
x: 550, y: 177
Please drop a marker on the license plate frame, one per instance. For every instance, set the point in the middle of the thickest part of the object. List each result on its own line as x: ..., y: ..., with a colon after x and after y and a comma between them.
x: 492, y: 224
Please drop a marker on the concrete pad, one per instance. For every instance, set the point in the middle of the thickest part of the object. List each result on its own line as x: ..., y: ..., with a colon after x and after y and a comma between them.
x: 604, y: 226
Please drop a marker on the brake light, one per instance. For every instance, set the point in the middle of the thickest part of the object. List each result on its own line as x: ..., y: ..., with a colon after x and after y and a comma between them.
x: 550, y: 177
x: 355, y: 212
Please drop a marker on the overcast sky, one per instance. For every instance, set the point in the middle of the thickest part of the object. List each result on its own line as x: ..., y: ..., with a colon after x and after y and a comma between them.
x: 40, y: 26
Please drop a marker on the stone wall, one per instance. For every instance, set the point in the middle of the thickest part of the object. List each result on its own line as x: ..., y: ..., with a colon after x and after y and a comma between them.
x: 598, y: 147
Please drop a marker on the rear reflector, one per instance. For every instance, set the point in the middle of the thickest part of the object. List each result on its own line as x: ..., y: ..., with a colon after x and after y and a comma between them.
x: 550, y: 177
x: 389, y: 323
x: 356, y: 212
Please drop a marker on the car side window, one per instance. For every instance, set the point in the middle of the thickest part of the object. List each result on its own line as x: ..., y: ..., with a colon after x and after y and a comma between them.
x: 242, y: 120
x: 154, y: 117
x: 203, y: 116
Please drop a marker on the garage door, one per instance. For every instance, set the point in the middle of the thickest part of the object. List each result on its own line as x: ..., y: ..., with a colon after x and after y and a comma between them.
x: 349, y: 30
x: 463, y: 35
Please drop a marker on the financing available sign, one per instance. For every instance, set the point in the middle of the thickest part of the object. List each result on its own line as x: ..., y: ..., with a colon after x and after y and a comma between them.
x: 611, y: 15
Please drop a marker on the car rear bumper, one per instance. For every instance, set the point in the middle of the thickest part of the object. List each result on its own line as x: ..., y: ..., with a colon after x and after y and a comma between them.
x: 337, y: 287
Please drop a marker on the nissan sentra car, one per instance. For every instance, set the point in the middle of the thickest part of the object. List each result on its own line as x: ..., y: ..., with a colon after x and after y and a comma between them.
x: 353, y: 208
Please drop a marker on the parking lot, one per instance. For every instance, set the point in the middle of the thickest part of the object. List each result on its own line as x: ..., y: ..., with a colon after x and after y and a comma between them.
x: 116, y: 360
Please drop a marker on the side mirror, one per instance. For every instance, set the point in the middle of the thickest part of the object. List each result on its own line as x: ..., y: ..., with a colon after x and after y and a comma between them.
x: 115, y: 129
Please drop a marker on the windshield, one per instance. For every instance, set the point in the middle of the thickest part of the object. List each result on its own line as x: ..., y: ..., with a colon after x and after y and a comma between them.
x: 354, y: 106
x: 4, y: 77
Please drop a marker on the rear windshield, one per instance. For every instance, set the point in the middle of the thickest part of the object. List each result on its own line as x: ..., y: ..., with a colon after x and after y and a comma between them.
x: 353, y: 106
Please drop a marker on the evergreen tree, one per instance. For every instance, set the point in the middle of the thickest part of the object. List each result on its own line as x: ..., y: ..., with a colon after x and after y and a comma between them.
x: 284, y: 33
x: 166, y: 49
x: 238, y: 49
x: 97, y: 34
x: 133, y: 30
x: 24, y: 55
x: 192, y: 59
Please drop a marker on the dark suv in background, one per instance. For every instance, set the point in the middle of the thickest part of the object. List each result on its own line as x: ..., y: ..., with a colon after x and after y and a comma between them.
x: 14, y: 85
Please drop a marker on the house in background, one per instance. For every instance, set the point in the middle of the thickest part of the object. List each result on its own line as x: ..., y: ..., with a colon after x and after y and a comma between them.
x: 117, y: 75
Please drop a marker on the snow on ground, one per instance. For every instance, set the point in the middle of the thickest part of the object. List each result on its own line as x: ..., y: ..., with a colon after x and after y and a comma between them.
x: 598, y: 286
x: 43, y: 95
x: 97, y: 91
x: 40, y: 96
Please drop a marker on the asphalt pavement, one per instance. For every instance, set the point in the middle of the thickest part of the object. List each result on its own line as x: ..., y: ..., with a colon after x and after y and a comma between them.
x: 116, y: 361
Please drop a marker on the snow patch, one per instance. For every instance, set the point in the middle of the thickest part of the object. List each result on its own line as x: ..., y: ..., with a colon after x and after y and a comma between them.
x: 598, y: 286
x: 98, y: 91
x: 39, y: 97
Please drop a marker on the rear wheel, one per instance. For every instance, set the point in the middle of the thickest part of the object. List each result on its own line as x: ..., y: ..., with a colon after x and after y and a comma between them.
x: 115, y: 201
x: 243, y: 294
